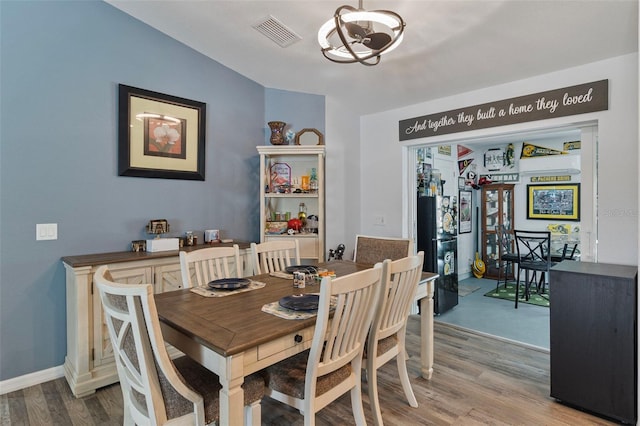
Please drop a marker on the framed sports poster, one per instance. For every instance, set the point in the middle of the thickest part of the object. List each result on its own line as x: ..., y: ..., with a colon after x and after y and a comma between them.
x: 553, y: 202
x: 466, y: 208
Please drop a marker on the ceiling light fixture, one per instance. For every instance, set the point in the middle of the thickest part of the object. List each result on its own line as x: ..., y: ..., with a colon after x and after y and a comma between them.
x: 355, y: 35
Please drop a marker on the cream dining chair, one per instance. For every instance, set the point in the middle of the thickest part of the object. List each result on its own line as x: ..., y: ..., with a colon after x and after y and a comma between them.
x: 274, y: 256
x: 312, y: 379
x: 369, y: 249
x: 387, y: 335
x: 155, y: 389
x: 199, y: 267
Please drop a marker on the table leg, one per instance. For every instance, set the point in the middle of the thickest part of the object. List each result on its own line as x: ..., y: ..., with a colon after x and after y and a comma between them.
x: 232, y: 394
x: 426, y: 332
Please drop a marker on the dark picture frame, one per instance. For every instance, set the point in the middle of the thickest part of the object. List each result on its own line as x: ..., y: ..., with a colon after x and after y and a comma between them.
x: 465, y: 212
x: 554, y: 202
x: 160, y: 135
x: 309, y: 137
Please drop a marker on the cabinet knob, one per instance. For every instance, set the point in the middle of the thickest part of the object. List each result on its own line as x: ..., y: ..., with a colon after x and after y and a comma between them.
x: 297, y: 338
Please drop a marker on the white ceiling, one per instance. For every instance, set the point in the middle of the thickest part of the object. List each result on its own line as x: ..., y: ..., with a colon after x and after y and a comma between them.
x: 449, y: 46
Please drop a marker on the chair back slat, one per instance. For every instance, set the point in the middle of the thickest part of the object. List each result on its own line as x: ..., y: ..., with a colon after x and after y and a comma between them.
x: 274, y: 256
x: 199, y: 267
x: 395, y: 302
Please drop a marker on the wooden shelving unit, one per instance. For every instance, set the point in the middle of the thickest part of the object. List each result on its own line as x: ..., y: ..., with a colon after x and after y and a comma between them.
x: 300, y: 159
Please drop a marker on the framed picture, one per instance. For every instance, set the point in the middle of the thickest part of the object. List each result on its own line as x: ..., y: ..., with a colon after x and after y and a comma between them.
x: 462, y: 182
x: 464, y: 217
x: 280, y: 178
x: 309, y: 137
x: 160, y: 136
x: 158, y: 226
x: 553, y: 202
x: 494, y: 159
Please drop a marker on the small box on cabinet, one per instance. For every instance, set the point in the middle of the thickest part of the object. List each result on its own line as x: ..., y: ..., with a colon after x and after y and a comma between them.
x: 162, y: 244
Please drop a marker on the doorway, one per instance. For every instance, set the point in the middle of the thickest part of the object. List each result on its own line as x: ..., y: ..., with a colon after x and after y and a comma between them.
x: 585, y: 133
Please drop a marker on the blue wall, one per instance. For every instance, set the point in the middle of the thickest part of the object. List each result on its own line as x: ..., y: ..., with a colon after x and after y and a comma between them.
x: 298, y: 110
x: 60, y: 69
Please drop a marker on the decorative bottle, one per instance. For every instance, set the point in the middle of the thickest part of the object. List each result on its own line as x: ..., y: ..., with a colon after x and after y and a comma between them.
x: 302, y: 214
x: 268, y: 211
x: 313, y: 182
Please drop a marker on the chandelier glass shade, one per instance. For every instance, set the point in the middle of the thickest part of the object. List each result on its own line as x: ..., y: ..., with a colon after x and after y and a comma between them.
x: 356, y: 35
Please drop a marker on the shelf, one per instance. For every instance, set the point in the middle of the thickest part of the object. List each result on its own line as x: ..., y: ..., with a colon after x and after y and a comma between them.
x: 285, y: 235
x: 291, y: 149
x: 290, y: 195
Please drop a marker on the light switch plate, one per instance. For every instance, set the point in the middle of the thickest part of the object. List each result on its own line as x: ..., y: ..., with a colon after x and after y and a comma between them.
x: 46, y: 231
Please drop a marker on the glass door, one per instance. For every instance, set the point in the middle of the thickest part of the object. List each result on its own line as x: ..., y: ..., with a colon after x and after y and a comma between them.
x: 497, y: 202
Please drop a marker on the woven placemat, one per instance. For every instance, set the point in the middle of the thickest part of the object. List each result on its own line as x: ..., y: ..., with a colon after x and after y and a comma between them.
x: 274, y: 308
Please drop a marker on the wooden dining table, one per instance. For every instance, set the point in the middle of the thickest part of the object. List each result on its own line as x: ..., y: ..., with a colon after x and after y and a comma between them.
x: 234, y: 338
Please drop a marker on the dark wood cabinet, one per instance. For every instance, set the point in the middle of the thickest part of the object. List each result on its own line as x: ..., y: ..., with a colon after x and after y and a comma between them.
x: 593, y: 338
x: 497, y: 210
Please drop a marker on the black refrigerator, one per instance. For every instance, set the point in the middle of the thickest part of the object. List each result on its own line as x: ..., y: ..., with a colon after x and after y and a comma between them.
x: 437, y: 230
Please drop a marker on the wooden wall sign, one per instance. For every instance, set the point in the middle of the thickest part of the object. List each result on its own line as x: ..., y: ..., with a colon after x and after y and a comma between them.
x: 580, y: 99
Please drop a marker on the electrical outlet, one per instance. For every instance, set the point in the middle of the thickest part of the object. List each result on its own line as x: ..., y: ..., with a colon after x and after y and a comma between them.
x: 46, y: 231
x: 379, y: 220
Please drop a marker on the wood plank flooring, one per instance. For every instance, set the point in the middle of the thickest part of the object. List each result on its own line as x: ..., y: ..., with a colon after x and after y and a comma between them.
x: 477, y: 381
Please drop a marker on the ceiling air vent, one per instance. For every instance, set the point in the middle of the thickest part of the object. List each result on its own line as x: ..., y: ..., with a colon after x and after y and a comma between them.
x: 277, y: 31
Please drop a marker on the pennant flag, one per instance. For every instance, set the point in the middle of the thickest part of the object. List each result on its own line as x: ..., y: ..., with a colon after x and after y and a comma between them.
x: 530, y: 150
x: 463, y: 150
x: 463, y: 164
x: 568, y: 146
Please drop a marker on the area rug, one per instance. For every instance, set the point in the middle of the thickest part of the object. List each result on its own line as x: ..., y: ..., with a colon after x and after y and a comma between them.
x: 510, y: 292
x: 465, y: 290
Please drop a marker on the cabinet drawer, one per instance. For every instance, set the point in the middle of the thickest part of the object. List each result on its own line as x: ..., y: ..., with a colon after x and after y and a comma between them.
x: 287, y: 345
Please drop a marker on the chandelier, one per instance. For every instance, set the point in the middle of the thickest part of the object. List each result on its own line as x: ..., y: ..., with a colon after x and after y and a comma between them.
x: 356, y: 35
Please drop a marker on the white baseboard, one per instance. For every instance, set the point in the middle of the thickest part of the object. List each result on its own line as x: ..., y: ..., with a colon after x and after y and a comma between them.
x: 31, y: 379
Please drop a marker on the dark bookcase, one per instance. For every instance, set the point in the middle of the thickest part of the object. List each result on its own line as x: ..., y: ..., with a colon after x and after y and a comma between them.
x: 593, y: 338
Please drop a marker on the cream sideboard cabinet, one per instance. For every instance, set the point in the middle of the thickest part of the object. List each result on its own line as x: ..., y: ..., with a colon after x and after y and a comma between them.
x: 89, y: 363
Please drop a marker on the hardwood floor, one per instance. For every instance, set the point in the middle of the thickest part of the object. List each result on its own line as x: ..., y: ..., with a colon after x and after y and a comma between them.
x: 477, y: 381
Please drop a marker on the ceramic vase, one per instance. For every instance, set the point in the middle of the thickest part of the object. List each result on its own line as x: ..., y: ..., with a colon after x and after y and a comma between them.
x: 277, y: 135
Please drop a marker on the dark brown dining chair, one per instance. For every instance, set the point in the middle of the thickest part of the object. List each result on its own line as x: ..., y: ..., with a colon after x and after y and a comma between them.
x: 155, y: 389
x: 508, y: 257
x: 569, y: 252
x: 534, y: 258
